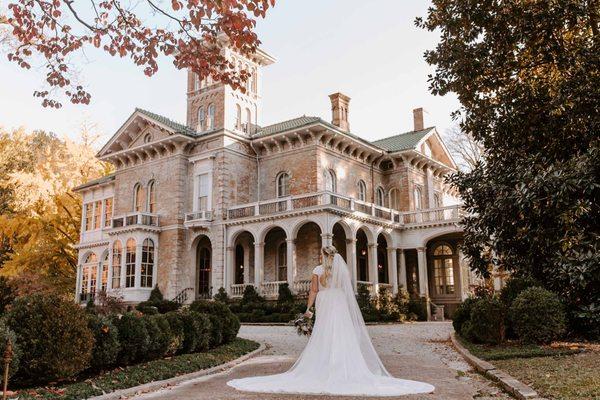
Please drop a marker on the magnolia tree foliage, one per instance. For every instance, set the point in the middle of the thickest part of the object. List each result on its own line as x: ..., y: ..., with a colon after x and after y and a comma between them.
x: 527, y: 74
x: 40, y: 216
x: 188, y: 31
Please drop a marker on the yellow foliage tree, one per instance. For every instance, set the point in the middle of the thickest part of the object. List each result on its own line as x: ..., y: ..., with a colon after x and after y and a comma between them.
x: 40, y: 216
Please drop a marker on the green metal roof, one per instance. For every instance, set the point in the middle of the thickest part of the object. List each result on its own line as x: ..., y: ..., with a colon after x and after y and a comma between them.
x: 286, y: 125
x: 94, y: 182
x: 176, y: 126
x: 403, y: 141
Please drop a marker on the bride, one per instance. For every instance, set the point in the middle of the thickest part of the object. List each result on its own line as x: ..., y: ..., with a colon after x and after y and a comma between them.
x: 339, y: 358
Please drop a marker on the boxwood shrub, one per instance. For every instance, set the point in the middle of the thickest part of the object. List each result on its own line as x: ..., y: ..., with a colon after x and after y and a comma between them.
x: 134, y: 338
x: 462, y: 314
x: 106, y: 342
x: 487, y: 321
x: 159, y: 336
x: 177, y: 332
x: 225, y: 325
x: 54, y: 334
x: 537, y: 316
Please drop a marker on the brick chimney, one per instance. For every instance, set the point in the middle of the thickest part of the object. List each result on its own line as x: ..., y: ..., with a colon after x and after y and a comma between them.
x: 339, y: 110
x: 418, y: 119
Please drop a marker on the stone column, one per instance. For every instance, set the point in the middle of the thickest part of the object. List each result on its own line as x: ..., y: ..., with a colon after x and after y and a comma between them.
x: 326, y: 239
x: 258, y: 264
x: 229, y: 269
x: 402, y: 275
x: 393, y: 269
x: 422, y: 263
x: 291, y: 265
x: 246, y: 263
x: 138, y: 265
x: 351, y: 256
x: 373, y: 273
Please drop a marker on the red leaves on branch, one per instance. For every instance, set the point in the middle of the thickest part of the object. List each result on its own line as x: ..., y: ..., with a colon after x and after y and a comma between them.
x: 191, y: 32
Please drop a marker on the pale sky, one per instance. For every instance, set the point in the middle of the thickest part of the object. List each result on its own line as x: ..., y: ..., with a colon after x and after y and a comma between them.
x: 370, y: 51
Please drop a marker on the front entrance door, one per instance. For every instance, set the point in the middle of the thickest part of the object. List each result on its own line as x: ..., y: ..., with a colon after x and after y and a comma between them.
x: 204, y: 268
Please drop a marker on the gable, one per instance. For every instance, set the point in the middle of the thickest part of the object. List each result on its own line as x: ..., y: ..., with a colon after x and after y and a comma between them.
x: 439, y: 151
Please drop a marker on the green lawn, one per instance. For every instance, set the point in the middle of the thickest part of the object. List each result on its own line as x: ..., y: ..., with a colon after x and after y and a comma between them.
x: 560, y: 372
x: 561, y: 377
x: 122, y: 378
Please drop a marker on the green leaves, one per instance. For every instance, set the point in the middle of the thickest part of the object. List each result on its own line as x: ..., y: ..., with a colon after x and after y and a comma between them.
x: 527, y: 75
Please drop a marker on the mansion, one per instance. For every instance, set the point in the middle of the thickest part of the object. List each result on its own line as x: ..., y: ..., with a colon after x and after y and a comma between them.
x: 225, y: 201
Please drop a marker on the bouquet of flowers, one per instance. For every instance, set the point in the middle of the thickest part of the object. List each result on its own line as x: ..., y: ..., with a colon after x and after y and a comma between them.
x: 303, y: 324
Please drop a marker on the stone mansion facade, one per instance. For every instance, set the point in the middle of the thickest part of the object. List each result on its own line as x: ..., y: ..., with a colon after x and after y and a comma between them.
x: 223, y: 201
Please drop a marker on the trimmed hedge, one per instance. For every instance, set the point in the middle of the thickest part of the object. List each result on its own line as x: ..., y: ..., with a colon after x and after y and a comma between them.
x: 225, y: 325
x: 177, y: 332
x: 486, y: 324
x: 159, y: 336
x: 106, y: 342
x: 462, y: 314
x: 133, y: 335
x: 538, y: 316
x: 55, y: 334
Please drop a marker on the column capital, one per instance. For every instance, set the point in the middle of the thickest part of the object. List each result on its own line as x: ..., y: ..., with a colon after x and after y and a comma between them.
x: 390, y: 248
x: 420, y: 249
x: 372, y: 245
x: 350, y: 240
x: 326, y: 235
x: 291, y: 241
x: 400, y: 250
x: 230, y: 248
x: 259, y: 244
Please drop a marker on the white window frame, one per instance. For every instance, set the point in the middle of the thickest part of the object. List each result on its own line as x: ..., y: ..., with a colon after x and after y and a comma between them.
x: 380, y: 196
x: 201, y: 119
x: 211, y: 116
x: 330, y: 180
x: 362, y: 190
x: 279, y: 186
x: 197, y: 188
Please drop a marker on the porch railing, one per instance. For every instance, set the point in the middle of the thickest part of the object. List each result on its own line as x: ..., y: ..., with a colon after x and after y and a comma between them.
x: 271, y: 289
x: 203, y: 215
x: 302, y: 286
x: 326, y: 198
x: 237, y: 289
x: 137, y: 218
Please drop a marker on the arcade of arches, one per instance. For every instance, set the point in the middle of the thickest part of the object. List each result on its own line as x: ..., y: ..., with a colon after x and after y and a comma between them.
x: 284, y: 257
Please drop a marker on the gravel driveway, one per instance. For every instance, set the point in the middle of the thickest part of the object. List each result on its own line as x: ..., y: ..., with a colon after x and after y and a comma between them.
x: 418, y: 351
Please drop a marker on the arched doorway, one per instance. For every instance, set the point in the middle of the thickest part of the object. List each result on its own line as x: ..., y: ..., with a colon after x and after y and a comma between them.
x: 382, y: 260
x: 308, y: 249
x: 362, y: 256
x: 275, y: 257
x: 203, y: 268
x: 339, y: 240
x: 243, y: 268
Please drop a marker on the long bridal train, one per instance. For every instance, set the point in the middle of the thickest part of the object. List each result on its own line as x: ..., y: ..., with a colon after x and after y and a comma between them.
x: 339, y: 358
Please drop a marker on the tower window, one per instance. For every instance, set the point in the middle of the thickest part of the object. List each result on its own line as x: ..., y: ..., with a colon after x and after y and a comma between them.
x: 201, y: 119
x: 211, y: 116
x: 394, y: 199
x: 417, y: 198
x: 330, y: 180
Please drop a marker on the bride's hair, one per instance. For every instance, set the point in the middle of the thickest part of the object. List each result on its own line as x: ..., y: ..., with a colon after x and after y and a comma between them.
x: 328, y: 254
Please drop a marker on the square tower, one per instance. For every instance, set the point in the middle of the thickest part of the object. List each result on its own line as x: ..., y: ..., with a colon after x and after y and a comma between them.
x: 213, y: 106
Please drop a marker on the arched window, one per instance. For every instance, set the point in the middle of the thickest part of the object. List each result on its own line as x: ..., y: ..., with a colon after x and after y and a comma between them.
x: 147, y: 138
x: 104, y: 273
x: 283, y: 184
x: 282, y: 261
x: 417, y: 197
x: 330, y: 181
x: 238, y: 117
x: 380, y: 196
x: 196, y: 82
x: 248, y: 121
x: 117, y: 258
x: 151, y: 206
x: 147, y: 270
x: 394, y: 199
x: 130, y: 263
x: 211, y: 116
x: 138, y: 198
x: 201, y: 119
x: 443, y: 269
x: 88, y: 274
x: 362, y: 190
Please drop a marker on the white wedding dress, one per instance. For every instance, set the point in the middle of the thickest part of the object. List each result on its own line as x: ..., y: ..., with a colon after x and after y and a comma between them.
x: 339, y: 358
